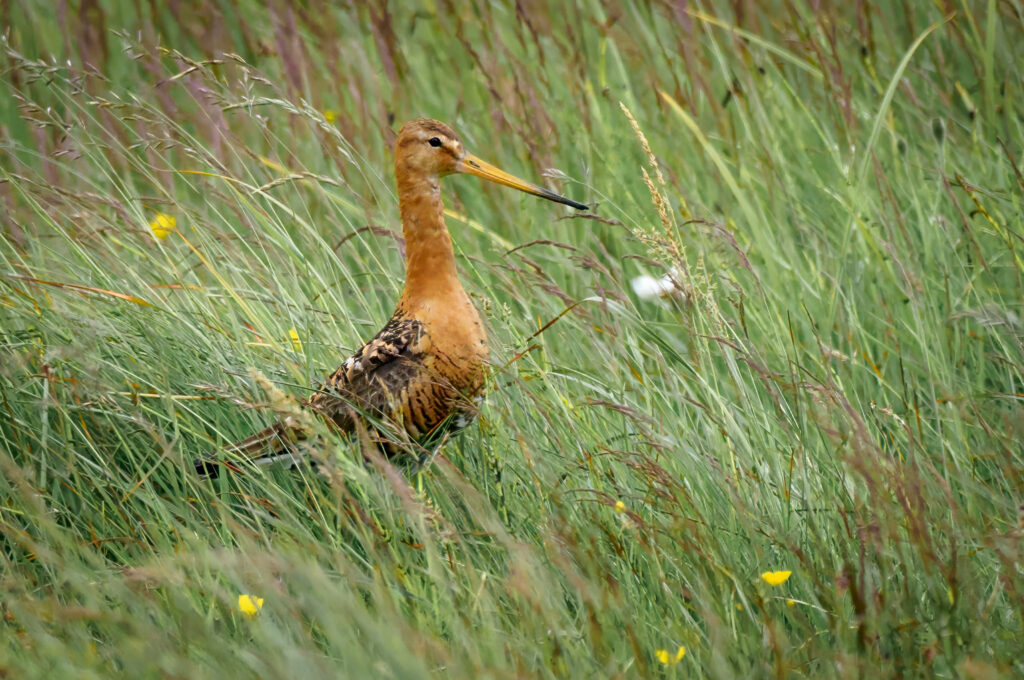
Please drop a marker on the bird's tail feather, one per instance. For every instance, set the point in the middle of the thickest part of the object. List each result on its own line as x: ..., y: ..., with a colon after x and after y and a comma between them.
x: 275, y: 443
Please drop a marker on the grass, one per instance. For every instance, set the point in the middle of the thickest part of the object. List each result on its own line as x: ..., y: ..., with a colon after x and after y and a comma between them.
x: 836, y: 389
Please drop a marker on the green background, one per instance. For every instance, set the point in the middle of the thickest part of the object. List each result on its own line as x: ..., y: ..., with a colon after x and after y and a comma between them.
x: 833, y: 389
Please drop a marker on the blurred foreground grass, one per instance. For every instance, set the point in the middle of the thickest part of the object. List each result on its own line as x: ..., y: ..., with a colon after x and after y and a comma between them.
x: 835, y: 391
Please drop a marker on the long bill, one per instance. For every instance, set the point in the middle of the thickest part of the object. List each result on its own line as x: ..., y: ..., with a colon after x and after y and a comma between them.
x: 471, y: 165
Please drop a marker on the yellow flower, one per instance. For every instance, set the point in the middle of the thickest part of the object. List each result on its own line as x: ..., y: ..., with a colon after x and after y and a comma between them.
x: 667, y: 659
x: 775, y: 578
x: 296, y: 342
x: 250, y: 605
x: 162, y: 225
x: 330, y: 115
x: 620, y: 506
x: 790, y: 603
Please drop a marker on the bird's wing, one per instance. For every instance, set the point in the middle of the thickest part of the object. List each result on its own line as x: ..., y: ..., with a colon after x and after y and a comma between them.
x: 375, y: 379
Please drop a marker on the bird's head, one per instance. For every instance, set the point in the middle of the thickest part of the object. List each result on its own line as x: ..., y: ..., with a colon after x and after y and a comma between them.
x: 429, y: 148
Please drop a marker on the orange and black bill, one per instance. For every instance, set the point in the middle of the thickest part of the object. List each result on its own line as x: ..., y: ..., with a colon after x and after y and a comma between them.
x: 471, y: 165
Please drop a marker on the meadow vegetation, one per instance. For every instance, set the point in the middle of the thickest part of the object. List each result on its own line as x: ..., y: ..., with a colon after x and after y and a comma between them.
x: 198, y: 222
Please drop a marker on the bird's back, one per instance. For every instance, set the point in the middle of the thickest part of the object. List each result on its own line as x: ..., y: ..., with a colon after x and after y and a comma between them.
x: 422, y: 373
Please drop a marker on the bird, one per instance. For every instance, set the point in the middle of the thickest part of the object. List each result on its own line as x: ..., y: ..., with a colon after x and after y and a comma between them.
x: 423, y: 374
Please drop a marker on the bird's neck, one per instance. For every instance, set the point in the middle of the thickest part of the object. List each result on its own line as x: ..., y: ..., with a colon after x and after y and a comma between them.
x: 430, y: 271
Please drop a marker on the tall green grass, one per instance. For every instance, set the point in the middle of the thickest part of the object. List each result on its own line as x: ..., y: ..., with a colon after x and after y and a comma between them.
x: 834, y: 390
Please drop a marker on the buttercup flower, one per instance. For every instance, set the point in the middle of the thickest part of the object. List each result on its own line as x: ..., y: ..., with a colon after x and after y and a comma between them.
x: 296, y: 342
x: 250, y: 605
x: 330, y: 115
x: 670, y: 659
x: 775, y: 578
x: 620, y: 506
x: 162, y: 225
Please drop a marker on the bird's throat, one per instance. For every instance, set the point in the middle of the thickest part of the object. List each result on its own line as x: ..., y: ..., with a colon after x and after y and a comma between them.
x: 430, y: 272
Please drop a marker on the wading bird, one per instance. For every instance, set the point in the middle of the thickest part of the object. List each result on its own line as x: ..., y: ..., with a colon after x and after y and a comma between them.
x: 423, y: 373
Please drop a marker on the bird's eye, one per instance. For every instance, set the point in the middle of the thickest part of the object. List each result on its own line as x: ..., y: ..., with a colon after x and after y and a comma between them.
x: 434, y: 141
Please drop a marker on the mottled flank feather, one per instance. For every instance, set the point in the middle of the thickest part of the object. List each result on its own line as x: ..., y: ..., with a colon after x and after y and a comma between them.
x: 395, y: 378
